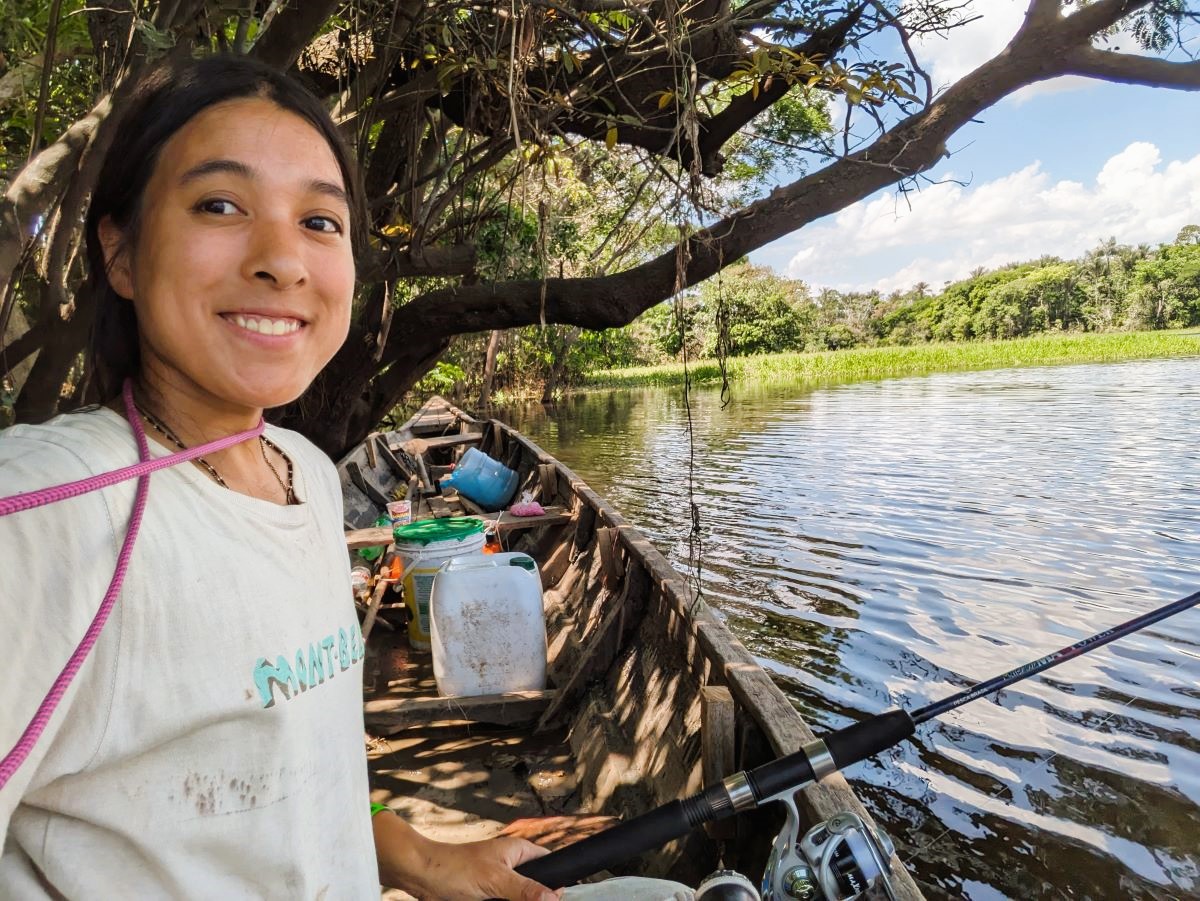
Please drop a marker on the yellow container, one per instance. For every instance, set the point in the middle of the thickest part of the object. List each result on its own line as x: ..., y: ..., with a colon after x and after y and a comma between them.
x: 424, y: 546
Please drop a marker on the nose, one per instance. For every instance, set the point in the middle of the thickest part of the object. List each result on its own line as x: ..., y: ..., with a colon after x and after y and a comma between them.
x: 274, y: 255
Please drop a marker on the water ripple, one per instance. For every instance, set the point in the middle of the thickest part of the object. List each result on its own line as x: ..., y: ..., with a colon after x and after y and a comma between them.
x: 893, y: 542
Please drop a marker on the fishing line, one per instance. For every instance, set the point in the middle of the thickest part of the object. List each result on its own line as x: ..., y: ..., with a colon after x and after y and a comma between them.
x: 695, y: 532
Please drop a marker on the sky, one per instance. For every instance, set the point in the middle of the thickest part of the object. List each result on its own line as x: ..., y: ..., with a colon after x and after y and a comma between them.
x: 1055, y: 169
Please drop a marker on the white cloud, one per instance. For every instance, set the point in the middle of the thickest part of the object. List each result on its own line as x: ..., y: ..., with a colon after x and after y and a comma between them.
x: 949, y: 57
x: 945, y: 230
x: 993, y: 23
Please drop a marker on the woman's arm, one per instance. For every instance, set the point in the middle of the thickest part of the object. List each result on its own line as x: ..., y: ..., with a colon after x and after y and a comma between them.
x: 455, y: 872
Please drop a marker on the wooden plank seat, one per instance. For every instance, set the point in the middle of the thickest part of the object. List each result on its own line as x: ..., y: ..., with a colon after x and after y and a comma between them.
x: 501, y: 522
x: 389, y: 716
x: 417, y: 446
x: 433, y: 422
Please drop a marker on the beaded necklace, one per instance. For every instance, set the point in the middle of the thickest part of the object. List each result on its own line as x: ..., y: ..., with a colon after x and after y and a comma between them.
x: 263, y: 443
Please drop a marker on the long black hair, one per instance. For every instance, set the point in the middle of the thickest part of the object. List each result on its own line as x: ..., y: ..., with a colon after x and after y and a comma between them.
x: 165, y: 101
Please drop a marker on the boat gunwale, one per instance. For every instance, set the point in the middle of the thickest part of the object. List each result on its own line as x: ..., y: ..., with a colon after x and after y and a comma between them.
x: 732, y: 665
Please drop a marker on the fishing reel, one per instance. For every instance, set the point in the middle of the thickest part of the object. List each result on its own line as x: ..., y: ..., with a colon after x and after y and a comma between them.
x: 838, y: 860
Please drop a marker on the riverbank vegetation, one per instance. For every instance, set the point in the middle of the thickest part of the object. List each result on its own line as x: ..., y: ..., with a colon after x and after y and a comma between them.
x: 891, y: 361
x: 558, y: 165
x: 747, y: 312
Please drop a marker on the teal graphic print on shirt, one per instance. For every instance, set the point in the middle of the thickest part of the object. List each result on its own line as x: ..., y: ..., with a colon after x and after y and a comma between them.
x: 308, y: 667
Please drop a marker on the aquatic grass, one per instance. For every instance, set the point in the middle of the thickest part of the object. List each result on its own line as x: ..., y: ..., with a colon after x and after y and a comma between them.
x: 862, y: 363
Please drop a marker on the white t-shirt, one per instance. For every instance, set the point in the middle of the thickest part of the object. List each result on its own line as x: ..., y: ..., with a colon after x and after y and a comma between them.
x: 212, y: 744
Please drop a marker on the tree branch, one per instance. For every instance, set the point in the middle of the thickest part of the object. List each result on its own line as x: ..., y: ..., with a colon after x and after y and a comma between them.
x: 911, y: 147
x: 457, y: 260
x: 34, y: 192
x: 39, y: 119
x: 1042, y: 13
x: 1128, y: 68
x: 596, y: 6
x: 372, y: 76
x: 720, y: 128
x: 292, y: 30
x: 14, y: 354
x: 23, y: 74
x: 1089, y: 20
x: 905, y: 36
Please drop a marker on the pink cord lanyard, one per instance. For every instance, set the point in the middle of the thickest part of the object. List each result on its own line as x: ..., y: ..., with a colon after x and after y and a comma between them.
x: 141, y: 471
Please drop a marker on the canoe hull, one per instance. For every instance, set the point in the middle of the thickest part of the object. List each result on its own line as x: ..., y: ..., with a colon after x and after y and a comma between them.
x: 650, y: 693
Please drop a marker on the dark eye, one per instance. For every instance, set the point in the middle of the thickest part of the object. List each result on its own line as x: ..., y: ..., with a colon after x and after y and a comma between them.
x: 217, y: 207
x: 323, y: 224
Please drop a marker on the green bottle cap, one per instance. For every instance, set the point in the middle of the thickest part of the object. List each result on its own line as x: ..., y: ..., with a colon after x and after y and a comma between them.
x: 455, y: 528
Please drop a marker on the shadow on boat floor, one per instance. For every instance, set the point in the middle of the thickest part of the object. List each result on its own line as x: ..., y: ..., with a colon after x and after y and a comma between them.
x: 457, y: 781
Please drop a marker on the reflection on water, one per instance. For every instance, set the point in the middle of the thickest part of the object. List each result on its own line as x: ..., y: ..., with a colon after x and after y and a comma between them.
x: 890, y: 542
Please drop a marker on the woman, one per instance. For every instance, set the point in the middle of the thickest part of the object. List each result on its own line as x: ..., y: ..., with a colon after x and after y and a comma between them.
x: 220, y: 242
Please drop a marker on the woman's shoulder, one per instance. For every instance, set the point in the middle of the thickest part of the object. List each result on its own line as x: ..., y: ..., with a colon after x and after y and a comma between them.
x: 66, y: 449
x: 72, y: 445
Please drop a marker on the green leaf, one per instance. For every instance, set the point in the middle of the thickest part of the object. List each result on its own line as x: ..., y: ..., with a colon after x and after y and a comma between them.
x: 610, y: 138
x: 154, y: 38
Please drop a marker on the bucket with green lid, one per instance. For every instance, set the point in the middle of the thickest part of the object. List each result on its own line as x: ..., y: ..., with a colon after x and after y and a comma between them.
x: 424, y: 546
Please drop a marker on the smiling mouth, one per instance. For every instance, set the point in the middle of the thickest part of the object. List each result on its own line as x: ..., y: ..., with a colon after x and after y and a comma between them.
x: 264, y: 325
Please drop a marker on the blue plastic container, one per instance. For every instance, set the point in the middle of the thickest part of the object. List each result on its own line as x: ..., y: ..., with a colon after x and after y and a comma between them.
x: 487, y: 482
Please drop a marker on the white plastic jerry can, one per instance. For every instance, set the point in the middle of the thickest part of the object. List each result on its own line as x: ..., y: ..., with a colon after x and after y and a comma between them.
x: 486, y: 626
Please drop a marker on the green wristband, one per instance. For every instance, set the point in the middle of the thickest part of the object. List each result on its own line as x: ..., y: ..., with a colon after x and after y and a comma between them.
x: 379, y: 808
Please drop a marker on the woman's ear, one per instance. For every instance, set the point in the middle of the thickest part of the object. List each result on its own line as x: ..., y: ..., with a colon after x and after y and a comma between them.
x: 116, y: 258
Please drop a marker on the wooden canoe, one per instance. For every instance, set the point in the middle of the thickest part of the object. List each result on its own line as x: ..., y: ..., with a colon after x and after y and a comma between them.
x: 650, y: 696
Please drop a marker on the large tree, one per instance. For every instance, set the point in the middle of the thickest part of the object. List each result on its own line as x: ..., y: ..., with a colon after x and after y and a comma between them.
x: 457, y: 107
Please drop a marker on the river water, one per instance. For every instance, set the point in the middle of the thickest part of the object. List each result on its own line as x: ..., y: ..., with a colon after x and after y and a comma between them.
x: 885, y: 543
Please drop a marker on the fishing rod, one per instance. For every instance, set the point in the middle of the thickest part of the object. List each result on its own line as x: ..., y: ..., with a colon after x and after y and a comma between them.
x: 780, y: 779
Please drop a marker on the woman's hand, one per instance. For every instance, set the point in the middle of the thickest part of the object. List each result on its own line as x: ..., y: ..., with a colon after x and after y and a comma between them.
x: 438, y: 871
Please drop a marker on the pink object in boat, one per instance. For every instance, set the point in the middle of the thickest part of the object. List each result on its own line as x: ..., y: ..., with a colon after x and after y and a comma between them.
x: 527, y: 508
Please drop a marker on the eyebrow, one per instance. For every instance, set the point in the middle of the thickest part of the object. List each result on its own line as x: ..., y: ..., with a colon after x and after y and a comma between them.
x: 234, y: 167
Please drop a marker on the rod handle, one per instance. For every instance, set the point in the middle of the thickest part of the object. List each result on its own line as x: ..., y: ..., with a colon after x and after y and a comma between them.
x: 620, y: 843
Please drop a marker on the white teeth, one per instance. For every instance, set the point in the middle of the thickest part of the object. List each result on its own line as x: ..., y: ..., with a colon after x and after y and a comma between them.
x: 265, y: 326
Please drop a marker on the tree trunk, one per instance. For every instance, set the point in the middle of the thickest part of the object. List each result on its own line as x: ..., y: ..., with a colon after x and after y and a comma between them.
x: 378, y: 363
x: 550, y: 385
x: 346, y: 401
x: 65, y: 341
x: 489, y: 368
x: 18, y: 327
x: 560, y: 350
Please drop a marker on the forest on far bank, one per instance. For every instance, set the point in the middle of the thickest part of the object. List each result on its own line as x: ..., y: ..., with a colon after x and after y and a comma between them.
x: 748, y: 310
x: 532, y: 171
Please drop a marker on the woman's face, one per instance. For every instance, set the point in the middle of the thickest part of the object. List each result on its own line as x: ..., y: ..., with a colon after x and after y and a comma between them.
x: 243, y: 273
